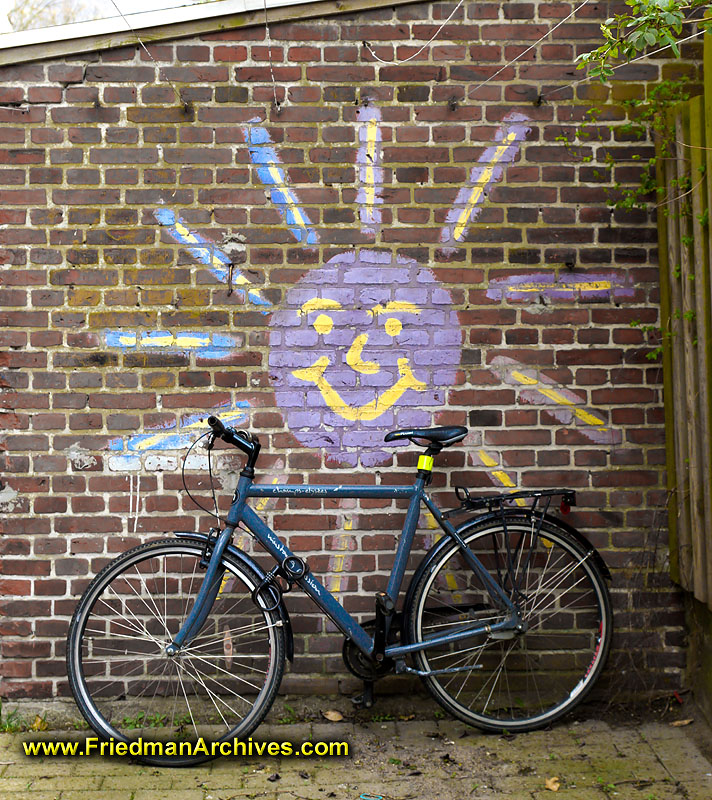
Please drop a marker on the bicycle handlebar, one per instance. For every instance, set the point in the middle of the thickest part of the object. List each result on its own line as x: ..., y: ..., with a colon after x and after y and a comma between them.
x: 243, y: 440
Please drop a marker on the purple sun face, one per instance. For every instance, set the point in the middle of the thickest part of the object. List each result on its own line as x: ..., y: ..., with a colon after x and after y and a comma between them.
x: 361, y: 346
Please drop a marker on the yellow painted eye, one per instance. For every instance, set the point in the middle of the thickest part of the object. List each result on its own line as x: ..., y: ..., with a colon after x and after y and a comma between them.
x: 323, y: 323
x: 393, y: 326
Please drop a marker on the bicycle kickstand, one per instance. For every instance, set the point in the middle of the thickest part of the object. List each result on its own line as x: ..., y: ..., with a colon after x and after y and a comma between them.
x: 365, y: 699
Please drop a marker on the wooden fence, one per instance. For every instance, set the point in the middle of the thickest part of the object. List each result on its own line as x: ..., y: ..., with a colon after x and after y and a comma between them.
x: 685, y: 239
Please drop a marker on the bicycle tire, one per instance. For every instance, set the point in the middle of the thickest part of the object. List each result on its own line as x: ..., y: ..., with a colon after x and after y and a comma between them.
x: 532, y: 679
x: 218, y: 688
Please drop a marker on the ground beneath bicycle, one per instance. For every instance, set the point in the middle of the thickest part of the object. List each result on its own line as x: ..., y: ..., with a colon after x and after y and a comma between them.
x: 630, y: 755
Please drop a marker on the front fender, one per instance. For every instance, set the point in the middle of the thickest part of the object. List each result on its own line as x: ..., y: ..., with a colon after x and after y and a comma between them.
x: 243, y: 558
x: 466, y: 526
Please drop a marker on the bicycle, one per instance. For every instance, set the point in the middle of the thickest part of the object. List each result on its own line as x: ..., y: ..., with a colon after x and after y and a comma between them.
x: 507, y: 620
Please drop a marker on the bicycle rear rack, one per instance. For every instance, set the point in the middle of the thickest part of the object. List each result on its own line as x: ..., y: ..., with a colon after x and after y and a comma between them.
x: 502, y: 504
x: 499, y: 502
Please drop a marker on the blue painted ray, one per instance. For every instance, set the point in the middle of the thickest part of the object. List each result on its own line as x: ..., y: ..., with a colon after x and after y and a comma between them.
x: 174, y: 436
x: 206, y: 252
x: 207, y: 346
x: 271, y: 174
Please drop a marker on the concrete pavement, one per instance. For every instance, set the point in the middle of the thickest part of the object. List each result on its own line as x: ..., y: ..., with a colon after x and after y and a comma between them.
x: 395, y: 757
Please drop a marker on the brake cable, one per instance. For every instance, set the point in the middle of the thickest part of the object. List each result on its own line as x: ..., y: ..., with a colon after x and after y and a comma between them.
x: 212, y: 485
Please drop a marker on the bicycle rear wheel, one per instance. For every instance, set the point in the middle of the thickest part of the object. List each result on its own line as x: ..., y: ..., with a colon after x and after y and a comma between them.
x: 514, y: 681
x: 217, y: 688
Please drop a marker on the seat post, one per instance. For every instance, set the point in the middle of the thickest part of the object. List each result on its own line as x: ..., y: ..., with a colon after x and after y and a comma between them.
x: 425, y: 463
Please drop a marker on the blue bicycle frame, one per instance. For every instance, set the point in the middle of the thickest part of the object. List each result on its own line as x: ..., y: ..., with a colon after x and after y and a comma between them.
x: 240, y: 512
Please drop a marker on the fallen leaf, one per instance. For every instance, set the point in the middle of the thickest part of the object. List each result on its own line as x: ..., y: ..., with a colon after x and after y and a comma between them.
x: 552, y: 784
x: 40, y: 724
x: 406, y: 717
x: 333, y: 716
x: 680, y: 722
x: 274, y: 777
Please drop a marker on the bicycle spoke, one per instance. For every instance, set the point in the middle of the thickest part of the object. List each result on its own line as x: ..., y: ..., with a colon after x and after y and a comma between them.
x: 212, y: 696
x: 141, y: 626
x: 208, y: 658
x: 187, y: 703
x: 227, y: 689
x: 207, y: 641
x: 153, y: 602
x: 220, y: 669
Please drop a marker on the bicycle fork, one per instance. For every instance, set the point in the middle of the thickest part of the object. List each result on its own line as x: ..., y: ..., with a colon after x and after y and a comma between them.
x: 208, y: 592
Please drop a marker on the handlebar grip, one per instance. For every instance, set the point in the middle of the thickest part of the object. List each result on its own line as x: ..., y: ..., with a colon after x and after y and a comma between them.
x: 216, y: 425
x: 248, y: 443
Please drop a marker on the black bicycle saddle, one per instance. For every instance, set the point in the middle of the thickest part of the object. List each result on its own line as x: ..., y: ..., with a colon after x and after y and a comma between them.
x: 442, y: 437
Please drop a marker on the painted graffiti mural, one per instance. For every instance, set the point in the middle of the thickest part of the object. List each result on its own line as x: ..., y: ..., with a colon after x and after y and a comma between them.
x: 360, y: 345
x: 368, y: 342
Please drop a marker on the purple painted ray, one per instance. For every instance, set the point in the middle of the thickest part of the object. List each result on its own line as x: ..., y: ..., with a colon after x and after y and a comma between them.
x: 490, y: 166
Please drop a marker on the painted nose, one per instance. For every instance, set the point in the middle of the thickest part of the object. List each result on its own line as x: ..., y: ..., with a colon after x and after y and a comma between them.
x: 354, y: 359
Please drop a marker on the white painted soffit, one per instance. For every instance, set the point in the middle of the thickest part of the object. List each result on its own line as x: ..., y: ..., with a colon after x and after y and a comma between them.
x: 138, y: 20
x: 152, y: 26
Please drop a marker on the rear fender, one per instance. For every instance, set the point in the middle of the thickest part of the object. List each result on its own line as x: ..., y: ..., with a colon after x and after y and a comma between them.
x: 243, y: 558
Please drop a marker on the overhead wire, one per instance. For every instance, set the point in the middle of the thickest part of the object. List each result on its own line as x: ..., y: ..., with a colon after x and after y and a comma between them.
x: 528, y: 50
x: 367, y: 45
x: 427, y: 44
x: 624, y: 64
x: 150, y: 55
x: 277, y: 104
x: 521, y: 55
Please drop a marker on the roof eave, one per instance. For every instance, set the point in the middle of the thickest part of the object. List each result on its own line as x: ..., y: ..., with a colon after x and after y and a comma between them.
x: 224, y: 15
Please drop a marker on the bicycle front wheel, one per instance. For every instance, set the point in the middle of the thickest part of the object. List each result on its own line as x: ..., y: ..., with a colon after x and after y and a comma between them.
x: 218, y: 687
x: 513, y: 681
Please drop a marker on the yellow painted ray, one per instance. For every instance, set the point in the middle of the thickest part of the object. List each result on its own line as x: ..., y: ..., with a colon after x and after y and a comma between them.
x: 483, y: 181
x: 276, y: 174
x: 370, y: 187
x: 587, y: 286
x: 215, y: 262
x: 557, y: 397
x: 499, y: 474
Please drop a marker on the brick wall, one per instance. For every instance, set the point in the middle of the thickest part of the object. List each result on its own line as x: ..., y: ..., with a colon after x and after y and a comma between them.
x: 122, y: 208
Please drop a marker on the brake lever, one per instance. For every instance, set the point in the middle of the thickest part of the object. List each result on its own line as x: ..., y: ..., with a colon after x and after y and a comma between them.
x: 209, y: 442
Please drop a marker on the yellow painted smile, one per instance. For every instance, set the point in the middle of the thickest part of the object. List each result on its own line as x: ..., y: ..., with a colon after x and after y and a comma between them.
x: 372, y: 410
x: 315, y: 374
